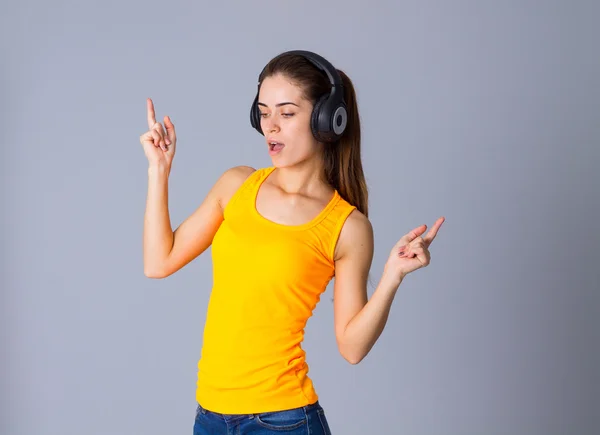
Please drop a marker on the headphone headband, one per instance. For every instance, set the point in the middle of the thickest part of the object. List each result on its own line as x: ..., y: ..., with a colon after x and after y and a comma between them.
x: 320, y: 62
x: 329, y: 117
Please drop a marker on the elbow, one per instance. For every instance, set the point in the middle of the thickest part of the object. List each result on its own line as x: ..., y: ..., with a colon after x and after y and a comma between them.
x: 156, y: 269
x: 352, y: 358
x: 154, y: 274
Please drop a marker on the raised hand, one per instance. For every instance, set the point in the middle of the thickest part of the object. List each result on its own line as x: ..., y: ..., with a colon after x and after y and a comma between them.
x: 412, y: 251
x: 158, y: 144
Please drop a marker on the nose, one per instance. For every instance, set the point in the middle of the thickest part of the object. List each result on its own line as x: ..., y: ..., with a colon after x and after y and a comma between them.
x: 270, y: 124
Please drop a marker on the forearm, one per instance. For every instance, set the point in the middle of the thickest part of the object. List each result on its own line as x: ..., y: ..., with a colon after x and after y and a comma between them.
x: 158, y: 234
x: 365, y: 328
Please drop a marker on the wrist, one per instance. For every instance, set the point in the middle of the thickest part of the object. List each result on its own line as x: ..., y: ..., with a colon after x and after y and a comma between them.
x: 158, y: 169
x: 392, y: 278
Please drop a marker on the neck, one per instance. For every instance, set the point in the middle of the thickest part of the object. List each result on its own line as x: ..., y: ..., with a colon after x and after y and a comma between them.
x: 304, y: 178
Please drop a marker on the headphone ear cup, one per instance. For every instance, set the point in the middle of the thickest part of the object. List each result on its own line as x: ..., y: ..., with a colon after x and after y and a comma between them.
x: 314, y: 120
x: 255, y: 115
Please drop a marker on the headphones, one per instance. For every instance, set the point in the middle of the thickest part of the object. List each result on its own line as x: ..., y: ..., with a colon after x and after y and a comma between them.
x: 329, y: 116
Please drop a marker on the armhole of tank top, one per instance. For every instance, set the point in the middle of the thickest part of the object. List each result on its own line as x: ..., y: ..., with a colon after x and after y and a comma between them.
x: 244, y: 186
x: 338, y: 230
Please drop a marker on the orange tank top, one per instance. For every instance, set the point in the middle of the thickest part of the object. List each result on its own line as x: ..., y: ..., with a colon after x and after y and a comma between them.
x: 267, y: 280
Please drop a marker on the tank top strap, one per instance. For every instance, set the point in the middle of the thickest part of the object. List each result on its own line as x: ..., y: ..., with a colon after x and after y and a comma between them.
x: 246, y: 192
x: 332, y: 224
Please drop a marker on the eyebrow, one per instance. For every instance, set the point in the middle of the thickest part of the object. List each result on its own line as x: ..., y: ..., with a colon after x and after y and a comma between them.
x: 279, y: 104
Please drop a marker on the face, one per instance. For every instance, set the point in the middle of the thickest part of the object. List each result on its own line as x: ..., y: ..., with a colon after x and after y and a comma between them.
x: 285, y: 119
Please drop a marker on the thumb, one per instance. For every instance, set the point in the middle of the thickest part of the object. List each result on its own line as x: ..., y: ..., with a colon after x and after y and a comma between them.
x: 412, y: 235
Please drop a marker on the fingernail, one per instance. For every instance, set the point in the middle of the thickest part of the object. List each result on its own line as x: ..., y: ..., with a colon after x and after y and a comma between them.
x: 167, y: 141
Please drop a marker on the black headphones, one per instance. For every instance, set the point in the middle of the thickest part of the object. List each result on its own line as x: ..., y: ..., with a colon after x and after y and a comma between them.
x: 329, y: 116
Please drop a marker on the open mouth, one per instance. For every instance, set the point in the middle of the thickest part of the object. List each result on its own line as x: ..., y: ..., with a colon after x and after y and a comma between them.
x: 275, y: 146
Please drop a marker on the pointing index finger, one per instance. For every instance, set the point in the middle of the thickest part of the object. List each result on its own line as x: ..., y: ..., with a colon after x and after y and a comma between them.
x: 151, y: 114
x: 434, y: 230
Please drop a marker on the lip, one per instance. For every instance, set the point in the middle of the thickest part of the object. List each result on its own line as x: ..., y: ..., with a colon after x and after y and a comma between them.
x: 272, y: 139
x: 271, y: 151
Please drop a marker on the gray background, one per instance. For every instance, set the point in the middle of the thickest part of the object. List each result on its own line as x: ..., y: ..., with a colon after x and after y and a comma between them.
x: 486, y: 113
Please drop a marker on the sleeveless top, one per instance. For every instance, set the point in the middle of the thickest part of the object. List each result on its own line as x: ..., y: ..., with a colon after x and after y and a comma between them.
x: 267, y: 280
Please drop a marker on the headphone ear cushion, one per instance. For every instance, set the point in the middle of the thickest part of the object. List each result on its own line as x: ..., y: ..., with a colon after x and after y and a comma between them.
x: 255, y: 115
x: 314, y: 120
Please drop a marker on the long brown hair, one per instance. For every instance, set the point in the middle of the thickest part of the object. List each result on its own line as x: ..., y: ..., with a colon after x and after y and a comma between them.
x: 342, y: 158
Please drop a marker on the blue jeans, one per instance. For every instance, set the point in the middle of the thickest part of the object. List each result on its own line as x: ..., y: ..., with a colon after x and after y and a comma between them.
x: 306, y: 420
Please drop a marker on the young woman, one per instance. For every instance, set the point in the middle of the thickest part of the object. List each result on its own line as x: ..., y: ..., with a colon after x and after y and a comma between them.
x: 279, y: 235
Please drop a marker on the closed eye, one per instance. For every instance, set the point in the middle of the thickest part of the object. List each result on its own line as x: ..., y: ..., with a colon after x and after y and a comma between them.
x: 286, y: 115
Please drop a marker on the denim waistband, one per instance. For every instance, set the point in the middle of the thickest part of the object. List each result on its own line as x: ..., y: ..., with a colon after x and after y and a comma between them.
x: 232, y: 417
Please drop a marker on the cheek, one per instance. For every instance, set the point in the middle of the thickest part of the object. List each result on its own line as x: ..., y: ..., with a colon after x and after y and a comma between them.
x: 300, y: 135
x: 305, y: 147
x: 301, y: 128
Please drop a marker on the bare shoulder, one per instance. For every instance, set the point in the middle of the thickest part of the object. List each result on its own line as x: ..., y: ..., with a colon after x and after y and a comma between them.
x: 230, y: 181
x: 356, y: 235
x: 237, y: 174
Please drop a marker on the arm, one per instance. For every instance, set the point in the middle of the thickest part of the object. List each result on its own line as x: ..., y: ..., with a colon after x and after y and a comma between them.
x: 358, y: 322
x: 165, y: 251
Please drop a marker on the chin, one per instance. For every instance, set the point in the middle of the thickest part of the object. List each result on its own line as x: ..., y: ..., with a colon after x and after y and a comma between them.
x: 286, y: 158
x: 287, y: 163
x: 280, y: 163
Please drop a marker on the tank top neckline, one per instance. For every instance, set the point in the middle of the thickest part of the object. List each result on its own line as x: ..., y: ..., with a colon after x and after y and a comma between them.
x: 322, y: 214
